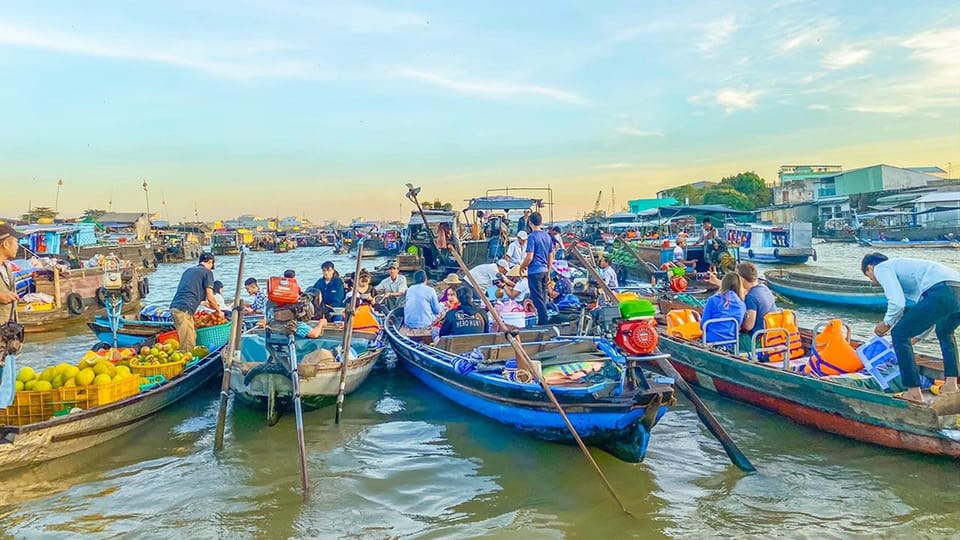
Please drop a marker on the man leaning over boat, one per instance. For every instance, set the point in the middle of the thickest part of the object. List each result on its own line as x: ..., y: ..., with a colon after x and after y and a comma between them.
x: 936, y: 290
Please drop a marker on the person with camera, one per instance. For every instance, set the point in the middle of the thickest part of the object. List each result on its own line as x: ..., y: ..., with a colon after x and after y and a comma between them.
x: 485, y: 274
x: 196, y: 285
x: 514, y: 286
x: 8, y: 287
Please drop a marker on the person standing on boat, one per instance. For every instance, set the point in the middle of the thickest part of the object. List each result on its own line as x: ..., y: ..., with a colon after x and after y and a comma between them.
x: 608, y: 274
x: 196, y: 285
x: 421, y: 307
x: 523, y: 223
x: 557, y: 236
x: 517, y: 249
x: 8, y: 287
x: 393, y: 286
x: 331, y: 289
x: 936, y: 290
x: 538, y: 263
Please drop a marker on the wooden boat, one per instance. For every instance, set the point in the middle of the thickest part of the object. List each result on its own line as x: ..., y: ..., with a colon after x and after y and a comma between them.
x: 133, y: 331
x: 909, y: 244
x: 78, y: 297
x: 827, y: 290
x: 253, y: 377
x: 826, y: 404
x: 226, y: 242
x: 789, y: 243
x: 29, y: 444
x: 614, y: 413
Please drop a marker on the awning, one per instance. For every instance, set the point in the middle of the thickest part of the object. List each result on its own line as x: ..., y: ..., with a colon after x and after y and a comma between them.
x: 833, y: 200
x: 503, y: 202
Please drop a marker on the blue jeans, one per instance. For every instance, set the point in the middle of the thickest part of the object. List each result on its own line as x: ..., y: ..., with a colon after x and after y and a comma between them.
x: 538, y: 295
x: 940, y: 307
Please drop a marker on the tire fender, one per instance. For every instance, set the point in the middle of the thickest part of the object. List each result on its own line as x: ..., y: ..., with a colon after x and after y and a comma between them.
x: 101, y: 297
x: 74, y: 304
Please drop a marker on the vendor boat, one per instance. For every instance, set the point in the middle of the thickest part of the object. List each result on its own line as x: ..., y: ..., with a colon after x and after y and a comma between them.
x: 849, y: 405
x: 61, y: 435
x: 789, y: 243
x: 614, y: 408
x: 826, y: 289
x: 261, y: 382
x: 226, y: 242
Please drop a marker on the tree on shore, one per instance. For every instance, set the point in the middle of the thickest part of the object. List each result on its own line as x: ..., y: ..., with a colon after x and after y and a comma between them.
x: 38, y: 213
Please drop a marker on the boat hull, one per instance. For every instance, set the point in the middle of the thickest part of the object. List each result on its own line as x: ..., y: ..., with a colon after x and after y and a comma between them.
x: 62, y: 436
x: 825, y: 291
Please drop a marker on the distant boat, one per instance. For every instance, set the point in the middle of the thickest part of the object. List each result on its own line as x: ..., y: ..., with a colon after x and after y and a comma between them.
x: 906, y: 244
x: 826, y: 289
x: 789, y: 243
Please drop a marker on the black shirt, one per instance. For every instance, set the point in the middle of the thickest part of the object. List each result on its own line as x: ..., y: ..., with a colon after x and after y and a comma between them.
x: 463, y: 321
x: 192, y: 289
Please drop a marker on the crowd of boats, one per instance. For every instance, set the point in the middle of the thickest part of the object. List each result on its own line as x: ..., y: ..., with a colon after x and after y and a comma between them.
x: 604, y: 371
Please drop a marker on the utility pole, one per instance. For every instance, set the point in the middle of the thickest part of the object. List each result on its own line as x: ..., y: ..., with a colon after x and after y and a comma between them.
x: 146, y: 194
x: 56, y: 202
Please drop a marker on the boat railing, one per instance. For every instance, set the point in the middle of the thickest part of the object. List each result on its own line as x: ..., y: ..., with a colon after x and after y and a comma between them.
x: 735, y: 341
x: 783, y: 348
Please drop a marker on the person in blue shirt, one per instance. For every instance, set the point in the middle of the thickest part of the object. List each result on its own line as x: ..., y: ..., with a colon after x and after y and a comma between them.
x: 259, y: 297
x: 331, y: 289
x: 538, y: 264
x: 726, y: 303
x: 421, y: 308
x: 936, y: 290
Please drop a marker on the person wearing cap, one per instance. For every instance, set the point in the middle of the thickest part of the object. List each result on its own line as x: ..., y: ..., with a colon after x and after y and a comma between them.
x: 517, y: 249
x: 196, y: 285
x: 8, y: 288
x: 485, y: 274
x: 392, y: 287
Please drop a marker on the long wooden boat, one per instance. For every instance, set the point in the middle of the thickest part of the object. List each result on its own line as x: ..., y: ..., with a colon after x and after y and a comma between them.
x: 910, y: 244
x: 29, y: 444
x: 825, y: 403
x: 133, y: 331
x: 254, y: 376
x: 826, y: 289
x: 615, y: 413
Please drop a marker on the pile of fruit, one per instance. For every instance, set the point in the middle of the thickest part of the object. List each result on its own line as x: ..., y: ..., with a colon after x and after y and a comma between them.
x: 166, y: 352
x: 91, y: 370
x: 620, y: 257
x: 209, y: 318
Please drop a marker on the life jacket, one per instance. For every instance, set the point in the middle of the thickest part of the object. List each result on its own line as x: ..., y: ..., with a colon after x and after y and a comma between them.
x: 787, y: 320
x: 832, y: 354
x: 364, y: 319
x: 684, y: 323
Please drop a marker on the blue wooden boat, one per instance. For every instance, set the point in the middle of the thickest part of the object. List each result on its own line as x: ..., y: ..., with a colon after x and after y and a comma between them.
x: 905, y: 244
x: 132, y: 331
x: 613, y: 408
x: 827, y: 290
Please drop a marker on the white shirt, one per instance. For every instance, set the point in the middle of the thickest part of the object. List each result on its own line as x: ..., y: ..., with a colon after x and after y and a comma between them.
x: 906, y: 280
x: 515, y: 253
x: 391, y: 286
x: 485, y: 274
x: 609, y: 276
x: 522, y: 287
x: 678, y: 253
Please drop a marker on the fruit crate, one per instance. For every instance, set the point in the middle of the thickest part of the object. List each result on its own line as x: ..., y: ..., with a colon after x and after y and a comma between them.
x: 88, y: 397
x: 213, y: 337
x: 30, y: 407
x: 169, y: 369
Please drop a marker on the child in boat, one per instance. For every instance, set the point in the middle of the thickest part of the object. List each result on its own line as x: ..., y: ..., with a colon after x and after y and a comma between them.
x: 727, y: 303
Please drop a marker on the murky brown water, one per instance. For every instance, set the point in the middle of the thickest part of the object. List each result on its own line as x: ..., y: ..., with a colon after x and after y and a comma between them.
x: 408, y: 463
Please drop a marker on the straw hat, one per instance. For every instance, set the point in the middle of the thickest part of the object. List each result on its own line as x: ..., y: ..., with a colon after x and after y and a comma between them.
x: 515, y: 272
x: 452, y: 279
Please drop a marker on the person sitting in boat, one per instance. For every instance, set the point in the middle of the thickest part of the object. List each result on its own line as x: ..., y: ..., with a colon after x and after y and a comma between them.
x: 486, y: 273
x: 259, y: 297
x: 393, y: 287
x: 366, y: 293
x: 466, y: 319
x: 218, y: 295
x: 9, y: 245
x: 514, y: 285
x: 758, y: 299
x: 331, y: 289
x: 608, y: 274
x: 421, y: 307
x: 557, y: 236
x: 726, y: 303
x: 936, y: 290
x: 682, y: 238
x: 517, y: 249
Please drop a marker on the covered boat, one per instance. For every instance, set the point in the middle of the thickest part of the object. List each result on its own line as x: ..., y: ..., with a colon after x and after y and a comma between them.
x: 827, y: 289
x: 788, y: 243
x: 845, y: 405
x: 613, y: 408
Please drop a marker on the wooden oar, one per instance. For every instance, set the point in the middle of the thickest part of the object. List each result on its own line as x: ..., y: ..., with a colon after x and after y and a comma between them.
x: 737, y: 456
x: 298, y: 413
x: 348, y: 333
x: 524, y: 362
x: 227, y: 359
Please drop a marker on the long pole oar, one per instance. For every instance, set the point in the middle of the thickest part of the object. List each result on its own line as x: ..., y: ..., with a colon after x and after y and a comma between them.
x: 235, y: 327
x: 348, y: 334
x: 522, y: 359
x: 298, y: 414
x: 737, y: 457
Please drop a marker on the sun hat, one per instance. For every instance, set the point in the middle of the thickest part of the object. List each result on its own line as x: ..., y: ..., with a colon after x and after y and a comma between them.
x: 452, y: 279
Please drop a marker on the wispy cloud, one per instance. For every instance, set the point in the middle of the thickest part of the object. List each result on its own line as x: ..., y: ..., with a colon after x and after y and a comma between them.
x: 619, y: 165
x: 732, y: 99
x: 637, y: 132
x: 845, y: 56
x: 794, y: 37
x: 818, y: 107
x: 494, y: 89
x: 248, y: 60
x: 717, y: 33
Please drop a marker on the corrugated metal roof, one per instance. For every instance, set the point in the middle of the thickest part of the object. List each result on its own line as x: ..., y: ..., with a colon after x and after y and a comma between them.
x: 928, y: 170
x: 940, y: 196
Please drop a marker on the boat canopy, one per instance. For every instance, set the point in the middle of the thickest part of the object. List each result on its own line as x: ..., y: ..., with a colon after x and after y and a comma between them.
x: 503, y: 202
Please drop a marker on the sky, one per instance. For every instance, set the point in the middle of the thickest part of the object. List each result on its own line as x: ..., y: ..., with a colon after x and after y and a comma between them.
x: 326, y: 109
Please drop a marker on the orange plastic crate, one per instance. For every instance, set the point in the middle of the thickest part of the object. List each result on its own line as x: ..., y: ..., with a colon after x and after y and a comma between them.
x: 30, y: 407
x: 88, y: 397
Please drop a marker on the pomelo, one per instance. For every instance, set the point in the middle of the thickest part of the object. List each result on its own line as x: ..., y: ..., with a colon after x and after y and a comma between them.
x: 102, y: 379
x: 85, y: 377
x: 43, y: 386
x: 18, y: 386
x: 48, y: 374
x: 26, y: 374
x: 71, y: 383
x: 30, y: 386
x: 101, y: 368
x: 70, y: 372
x: 123, y: 370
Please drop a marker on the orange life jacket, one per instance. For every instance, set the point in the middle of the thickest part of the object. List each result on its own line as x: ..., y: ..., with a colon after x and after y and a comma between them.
x: 787, y: 320
x: 684, y: 323
x: 363, y: 319
x: 832, y: 354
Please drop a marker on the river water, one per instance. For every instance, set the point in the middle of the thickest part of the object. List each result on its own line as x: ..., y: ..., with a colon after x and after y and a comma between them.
x: 407, y: 463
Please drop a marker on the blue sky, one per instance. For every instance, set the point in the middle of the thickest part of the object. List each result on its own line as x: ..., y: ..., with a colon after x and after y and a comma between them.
x: 327, y: 109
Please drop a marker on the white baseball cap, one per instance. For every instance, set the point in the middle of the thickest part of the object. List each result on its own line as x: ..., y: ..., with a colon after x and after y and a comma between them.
x: 522, y: 235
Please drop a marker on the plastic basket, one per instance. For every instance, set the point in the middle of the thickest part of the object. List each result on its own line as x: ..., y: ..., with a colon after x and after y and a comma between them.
x: 154, y: 381
x: 30, y: 407
x: 88, y: 397
x: 169, y: 370
x: 213, y: 337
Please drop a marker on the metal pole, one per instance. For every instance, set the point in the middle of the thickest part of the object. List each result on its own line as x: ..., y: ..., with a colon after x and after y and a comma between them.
x: 146, y: 194
x: 298, y: 413
x: 56, y: 203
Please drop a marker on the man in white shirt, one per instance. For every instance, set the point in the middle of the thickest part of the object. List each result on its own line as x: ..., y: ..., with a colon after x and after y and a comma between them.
x: 517, y: 249
x: 485, y: 274
x: 608, y: 274
x: 936, y: 290
x: 392, y: 287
